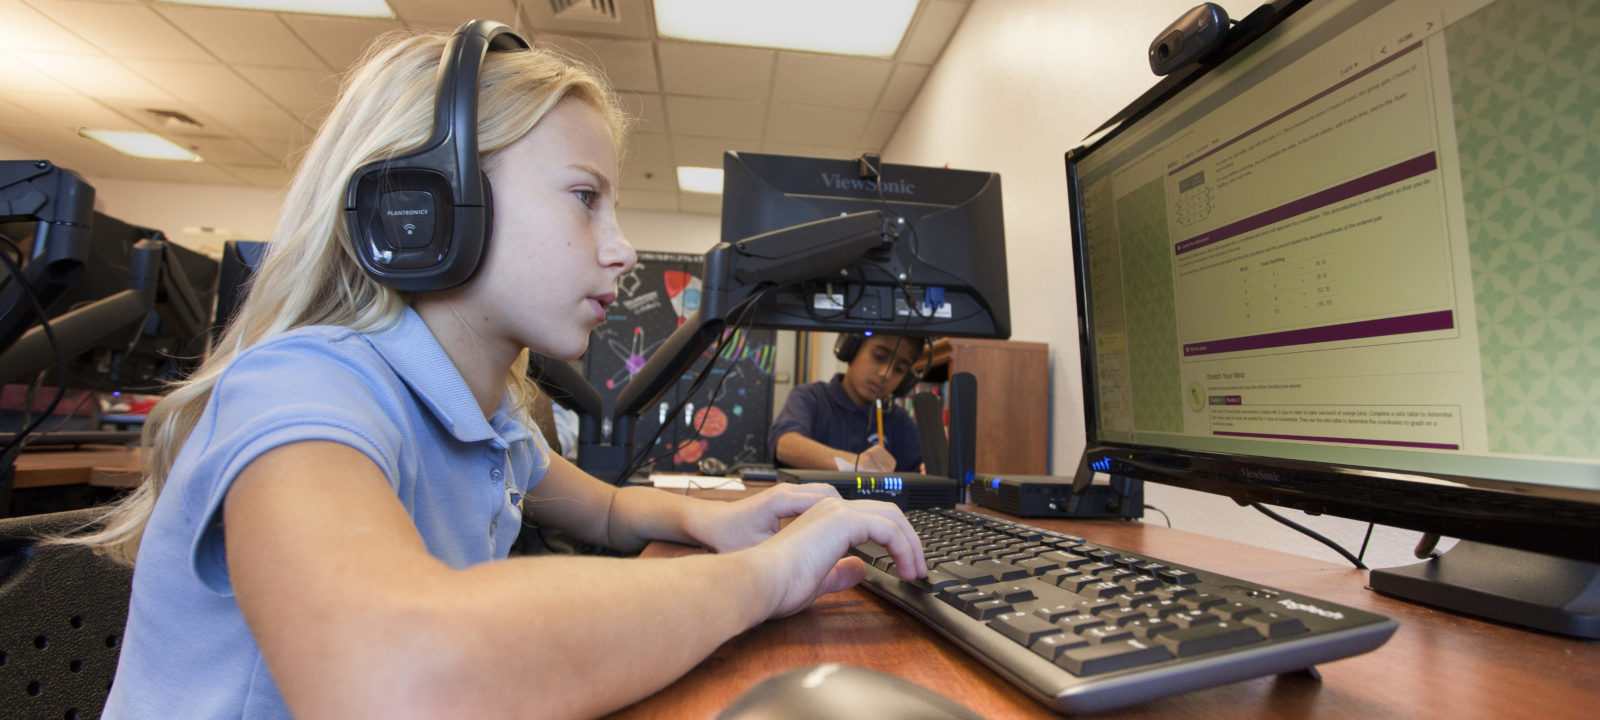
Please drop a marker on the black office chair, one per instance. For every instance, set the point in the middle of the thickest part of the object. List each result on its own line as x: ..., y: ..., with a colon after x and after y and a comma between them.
x: 62, y: 611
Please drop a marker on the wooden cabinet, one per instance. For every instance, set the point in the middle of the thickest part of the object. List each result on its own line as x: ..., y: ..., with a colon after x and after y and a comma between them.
x: 1013, y: 404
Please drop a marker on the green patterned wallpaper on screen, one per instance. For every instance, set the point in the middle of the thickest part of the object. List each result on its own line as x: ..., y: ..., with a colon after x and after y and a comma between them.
x: 1152, y: 321
x: 1525, y: 84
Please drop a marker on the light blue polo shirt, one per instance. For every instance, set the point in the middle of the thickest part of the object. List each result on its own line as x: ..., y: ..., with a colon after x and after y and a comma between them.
x: 393, y: 395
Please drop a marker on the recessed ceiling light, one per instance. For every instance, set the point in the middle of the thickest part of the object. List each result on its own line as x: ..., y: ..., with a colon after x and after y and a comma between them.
x: 354, y: 8
x: 843, y: 27
x: 140, y: 144
x: 700, y: 180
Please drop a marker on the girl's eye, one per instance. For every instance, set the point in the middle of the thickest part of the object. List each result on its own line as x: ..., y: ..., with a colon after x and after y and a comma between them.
x: 587, y: 197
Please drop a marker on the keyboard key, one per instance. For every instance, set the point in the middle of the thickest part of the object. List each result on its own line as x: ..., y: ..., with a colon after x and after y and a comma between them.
x: 969, y: 574
x: 1050, y: 647
x: 1055, y: 613
x: 1079, y: 625
x: 1119, y: 616
x: 1275, y: 625
x: 1013, y: 593
x: 1149, y: 628
x: 1106, y: 634
x: 939, y: 579
x: 1180, y: 577
x: 1024, y: 628
x: 1097, y: 659
x: 1202, y: 601
x: 1194, y: 618
x: 986, y: 609
x: 1185, y: 642
x: 1234, y: 611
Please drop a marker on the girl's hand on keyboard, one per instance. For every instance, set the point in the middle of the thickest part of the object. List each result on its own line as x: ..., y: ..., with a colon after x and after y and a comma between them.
x: 807, y: 558
x: 728, y: 526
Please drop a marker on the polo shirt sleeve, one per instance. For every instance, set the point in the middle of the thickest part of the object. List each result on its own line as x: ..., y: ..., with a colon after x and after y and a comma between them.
x: 286, y: 391
x: 799, y: 414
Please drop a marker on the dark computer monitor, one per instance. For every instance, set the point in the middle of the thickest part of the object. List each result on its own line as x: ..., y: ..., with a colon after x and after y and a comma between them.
x: 1349, y: 267
x: 944, y: 272
x: 145, y: 352
x: 839, y: 245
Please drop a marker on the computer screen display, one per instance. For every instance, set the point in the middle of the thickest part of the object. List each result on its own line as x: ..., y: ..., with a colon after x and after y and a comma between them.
x: 944, y: 273
x: 1355, y: 268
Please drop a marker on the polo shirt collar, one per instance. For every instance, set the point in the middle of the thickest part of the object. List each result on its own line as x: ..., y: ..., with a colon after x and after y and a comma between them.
x: 410, y: 348
x: 836, y: 393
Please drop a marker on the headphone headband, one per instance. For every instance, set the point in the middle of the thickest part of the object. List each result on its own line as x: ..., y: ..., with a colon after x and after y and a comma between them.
x: 420, y: 221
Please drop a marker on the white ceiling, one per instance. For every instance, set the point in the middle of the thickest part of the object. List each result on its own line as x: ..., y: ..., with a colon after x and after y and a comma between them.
x: 260, y: 82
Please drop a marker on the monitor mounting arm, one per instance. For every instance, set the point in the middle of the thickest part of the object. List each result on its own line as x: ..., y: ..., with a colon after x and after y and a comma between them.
x: 734, y: 273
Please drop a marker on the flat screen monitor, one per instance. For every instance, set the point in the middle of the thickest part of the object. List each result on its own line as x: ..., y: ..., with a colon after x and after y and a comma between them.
x: 1352, y: 268
x: 944, y: 273
x: 138, y: 354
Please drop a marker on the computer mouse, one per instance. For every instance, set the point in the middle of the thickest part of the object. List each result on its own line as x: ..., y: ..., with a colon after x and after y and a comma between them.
x: 838, y: 692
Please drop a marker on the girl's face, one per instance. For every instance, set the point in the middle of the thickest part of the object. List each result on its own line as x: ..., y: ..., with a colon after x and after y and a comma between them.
x: 556, y: 250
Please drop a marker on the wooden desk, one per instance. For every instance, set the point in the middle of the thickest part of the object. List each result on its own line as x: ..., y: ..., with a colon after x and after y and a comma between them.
x: 1437, y: 665
x: 100, y: 466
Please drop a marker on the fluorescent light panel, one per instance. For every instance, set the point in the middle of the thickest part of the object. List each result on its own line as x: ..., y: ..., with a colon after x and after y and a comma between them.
x: 700, y: 180
x: 141, y: 144
x: 353, y: 8
x: 872, y: 28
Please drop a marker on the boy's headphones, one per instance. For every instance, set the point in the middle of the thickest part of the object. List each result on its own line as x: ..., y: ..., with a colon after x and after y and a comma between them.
x: 420, y: 221
x: 848, y: 344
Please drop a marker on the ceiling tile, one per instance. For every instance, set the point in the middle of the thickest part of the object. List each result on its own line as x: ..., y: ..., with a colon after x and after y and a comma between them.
x: 880, y: 127
x: 228, y: 151
x: 72, y: 112
x: 648, y: 200
x: 628, y: 64
x: 721, y: 71
x: 903, y: 85
x: 829, y: 80
x: 700, y: 203
x: 649, y: 177
x: 814, y: 125
x: 648, y: 113
x: 95, y: 76
x: 165, y: 171
x: 339, y: 41
x: 208, y: 82
x: 930, y: 31
x: 648, y: 149
x: 19, y: 77
x: 27, y: 29
x: 243, y: 37
x: 707, y: 152
x: 806, y: 150
x: 715, y: 117
x: 272, y: 178
x: 453, y: 13
x: 292, y: 88
x: 126, y: 30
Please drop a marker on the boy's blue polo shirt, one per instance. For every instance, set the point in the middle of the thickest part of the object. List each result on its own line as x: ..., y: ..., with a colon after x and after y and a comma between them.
x: 394, y: 396
x: 824, y: 412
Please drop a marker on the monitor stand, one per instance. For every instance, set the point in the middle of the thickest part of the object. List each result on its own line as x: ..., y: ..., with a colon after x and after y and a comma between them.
x: 1523, y: 588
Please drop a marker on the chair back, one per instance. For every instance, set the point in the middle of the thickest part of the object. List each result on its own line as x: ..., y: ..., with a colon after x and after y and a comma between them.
x: 62, y: 612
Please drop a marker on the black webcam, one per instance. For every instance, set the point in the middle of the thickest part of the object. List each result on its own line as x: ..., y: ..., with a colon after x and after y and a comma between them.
x: 1198, y: 32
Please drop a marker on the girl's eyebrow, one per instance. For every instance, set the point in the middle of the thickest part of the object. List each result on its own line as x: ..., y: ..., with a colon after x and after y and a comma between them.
x: 599, y: 177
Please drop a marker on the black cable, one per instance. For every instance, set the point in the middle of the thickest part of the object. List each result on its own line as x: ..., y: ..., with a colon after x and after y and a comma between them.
x: 1363, y: 554
x: 1164, y: 515
x: 1308, y: 532
x: 9, y: 453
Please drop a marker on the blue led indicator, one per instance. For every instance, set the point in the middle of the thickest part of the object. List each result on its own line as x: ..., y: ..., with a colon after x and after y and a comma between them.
x: 995, y: 484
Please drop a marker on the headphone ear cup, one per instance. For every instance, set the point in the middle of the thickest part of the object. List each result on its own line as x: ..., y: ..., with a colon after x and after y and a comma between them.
x: 846, y: 347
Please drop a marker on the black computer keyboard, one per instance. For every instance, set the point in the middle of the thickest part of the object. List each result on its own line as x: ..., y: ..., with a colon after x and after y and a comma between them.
x: 1084, y: 627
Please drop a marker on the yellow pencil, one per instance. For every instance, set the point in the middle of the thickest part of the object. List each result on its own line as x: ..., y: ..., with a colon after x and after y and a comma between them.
x: 879, y: 403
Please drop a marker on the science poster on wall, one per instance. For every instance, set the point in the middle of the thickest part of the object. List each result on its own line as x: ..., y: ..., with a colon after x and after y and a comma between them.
x: 727, y: 417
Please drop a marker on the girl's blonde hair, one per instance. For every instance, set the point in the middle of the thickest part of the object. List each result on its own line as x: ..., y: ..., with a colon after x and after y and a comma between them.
x: 309, y: 275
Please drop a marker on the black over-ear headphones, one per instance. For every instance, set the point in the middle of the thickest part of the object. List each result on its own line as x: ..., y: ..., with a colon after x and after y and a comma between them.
x: 848, y: 344
x: 420, y: 221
